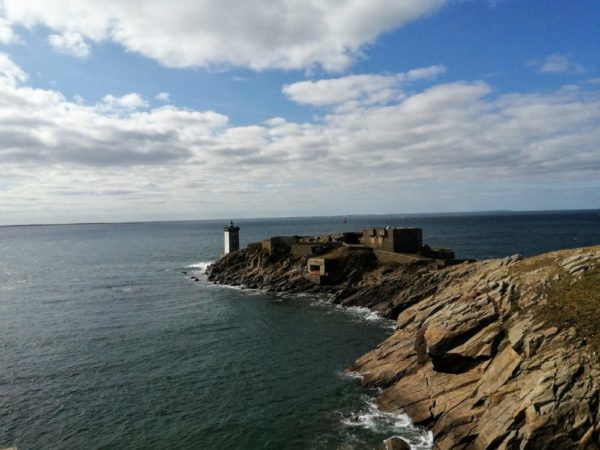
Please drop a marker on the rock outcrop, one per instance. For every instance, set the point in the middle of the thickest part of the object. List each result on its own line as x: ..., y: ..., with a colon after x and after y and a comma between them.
x: 386, y: 289
x: 477, y: 363
x: 479, y: 355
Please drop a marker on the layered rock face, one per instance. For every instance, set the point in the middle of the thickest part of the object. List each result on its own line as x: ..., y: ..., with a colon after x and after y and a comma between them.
x: 476, y: 363
x: 473, y: 357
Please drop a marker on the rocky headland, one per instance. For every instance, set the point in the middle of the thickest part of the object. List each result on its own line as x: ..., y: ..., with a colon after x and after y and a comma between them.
x: 493, y: 354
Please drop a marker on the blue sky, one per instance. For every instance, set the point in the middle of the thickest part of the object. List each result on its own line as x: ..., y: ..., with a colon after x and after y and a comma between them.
x: 296, y: 108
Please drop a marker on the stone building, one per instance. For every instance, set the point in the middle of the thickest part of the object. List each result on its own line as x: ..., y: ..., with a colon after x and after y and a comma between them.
x: 385, y: 245
x: 321, y: 270
x: 392, y: 239
x: 279, y: 243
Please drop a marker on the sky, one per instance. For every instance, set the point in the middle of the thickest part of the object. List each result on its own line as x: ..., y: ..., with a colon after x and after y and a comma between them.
x: 131, y: 110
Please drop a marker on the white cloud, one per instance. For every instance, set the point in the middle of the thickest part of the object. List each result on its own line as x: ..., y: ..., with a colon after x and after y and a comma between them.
x: 10, y: 73
x: 368, y: 89
x: 70, y: 43
x: 557, y: 63
x: 260, y: 34
x: 7, y: 34
x: 58, y: 155
x: 127, y: 102
x: 163, y: 97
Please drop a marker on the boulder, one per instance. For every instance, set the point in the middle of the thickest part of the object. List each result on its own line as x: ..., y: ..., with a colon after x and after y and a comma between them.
x: 395, y: 443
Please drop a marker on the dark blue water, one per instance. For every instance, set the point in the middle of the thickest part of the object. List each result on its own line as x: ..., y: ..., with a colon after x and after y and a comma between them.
x: 104, y: 343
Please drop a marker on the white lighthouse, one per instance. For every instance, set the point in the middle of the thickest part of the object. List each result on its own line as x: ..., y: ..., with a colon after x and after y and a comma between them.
x: 232, y: 238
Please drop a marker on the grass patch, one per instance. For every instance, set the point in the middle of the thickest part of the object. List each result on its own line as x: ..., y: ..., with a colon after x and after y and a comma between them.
x: 544, y: 262
x: 576, y: 302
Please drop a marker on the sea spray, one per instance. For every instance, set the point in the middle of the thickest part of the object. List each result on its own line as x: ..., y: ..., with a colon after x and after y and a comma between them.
x: 387, y: 424
x: 200, y: 266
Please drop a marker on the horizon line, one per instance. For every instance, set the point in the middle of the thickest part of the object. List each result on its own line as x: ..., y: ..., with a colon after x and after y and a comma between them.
x: 442, y: 213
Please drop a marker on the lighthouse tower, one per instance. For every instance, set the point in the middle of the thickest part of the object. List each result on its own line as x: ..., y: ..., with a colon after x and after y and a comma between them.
x: 232, y: 238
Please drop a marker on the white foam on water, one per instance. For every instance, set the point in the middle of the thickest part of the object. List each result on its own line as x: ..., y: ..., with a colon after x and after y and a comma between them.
x: 305, y: 295
x: 249, y: 291
x: 396, y: 423
x: 360, y: 312
x: 202, y: 265
x: 372, y: 417
x: 366, y: 314
x: 369, y: 315
x: 353, y: 375
x: 423, y: 442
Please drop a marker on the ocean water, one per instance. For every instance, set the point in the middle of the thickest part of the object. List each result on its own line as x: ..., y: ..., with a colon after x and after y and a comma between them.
x: 105, y: 343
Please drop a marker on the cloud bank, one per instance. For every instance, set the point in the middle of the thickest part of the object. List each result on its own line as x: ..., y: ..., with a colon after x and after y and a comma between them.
x: 119, y: 155
x: 295, y: 34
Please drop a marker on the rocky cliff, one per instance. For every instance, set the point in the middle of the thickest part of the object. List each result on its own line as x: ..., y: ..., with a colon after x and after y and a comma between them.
x: 496, y: 354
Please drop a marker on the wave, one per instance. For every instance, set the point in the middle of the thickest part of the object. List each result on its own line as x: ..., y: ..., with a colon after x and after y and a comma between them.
x: 353, y: 375
x: 246, y: 290
x: 394, y: 424
x: 202, y: 265
x: 320, y: 300
x: 366, y: 314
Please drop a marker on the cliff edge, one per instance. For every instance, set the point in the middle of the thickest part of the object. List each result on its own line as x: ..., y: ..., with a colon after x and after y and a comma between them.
x: 495, y: 354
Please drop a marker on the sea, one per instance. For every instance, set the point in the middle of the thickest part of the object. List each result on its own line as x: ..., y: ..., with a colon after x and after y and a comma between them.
x: 106, y: 342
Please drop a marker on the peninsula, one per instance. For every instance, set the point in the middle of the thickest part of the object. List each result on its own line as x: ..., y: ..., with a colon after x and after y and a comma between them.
x: 493, y: 354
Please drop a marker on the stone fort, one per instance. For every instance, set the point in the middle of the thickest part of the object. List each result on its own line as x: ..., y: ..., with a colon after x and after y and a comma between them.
x: 327, y: 256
